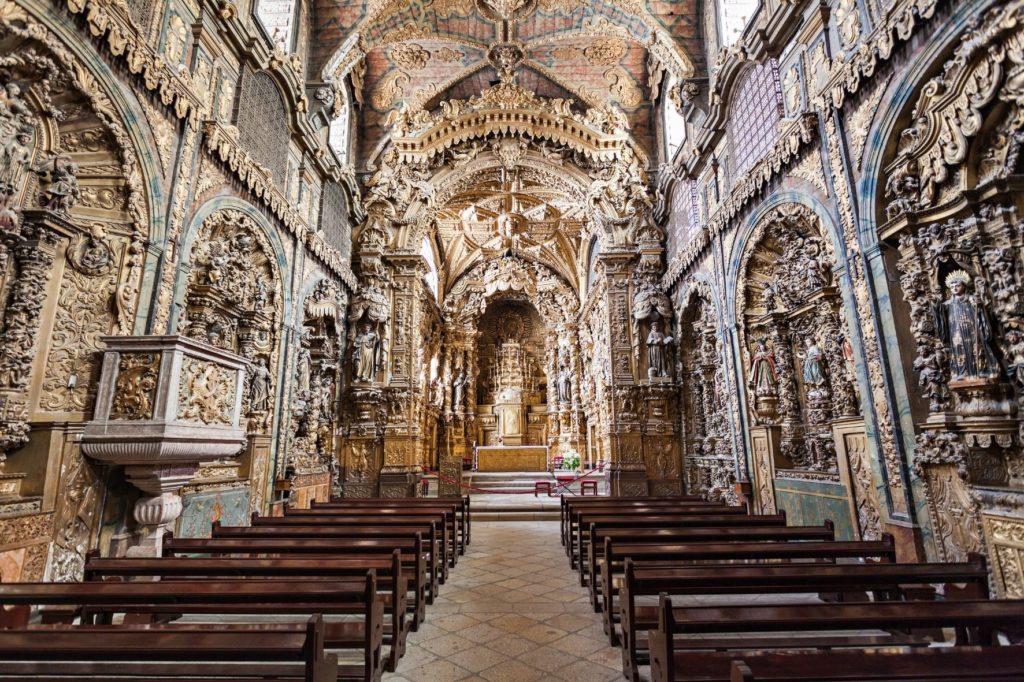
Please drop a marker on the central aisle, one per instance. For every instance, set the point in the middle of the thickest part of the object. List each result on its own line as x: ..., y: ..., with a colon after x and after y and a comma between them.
x: 511, y: 611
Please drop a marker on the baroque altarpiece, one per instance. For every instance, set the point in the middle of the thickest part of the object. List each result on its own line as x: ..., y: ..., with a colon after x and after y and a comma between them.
x: 256, y: 252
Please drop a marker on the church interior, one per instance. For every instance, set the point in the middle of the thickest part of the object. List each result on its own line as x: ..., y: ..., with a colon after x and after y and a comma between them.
x: 707, y: 316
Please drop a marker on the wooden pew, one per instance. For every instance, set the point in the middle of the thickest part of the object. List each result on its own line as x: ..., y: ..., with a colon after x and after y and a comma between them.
x: 578, y: 519
x: 572, y: 511
x: 598, y: 561
x: 99, y: 601
x: 459, y: 505
x: 446, y: 521
x: 340, y: 548
x: 621, y: 503
x: 655, y: 520
x: 433, y: 538
x: 287, y: 652
x: 391, y: 580
x: 938, y: 664
x: 674, y: 554
x: 975, y: 621
x: 967, y: 580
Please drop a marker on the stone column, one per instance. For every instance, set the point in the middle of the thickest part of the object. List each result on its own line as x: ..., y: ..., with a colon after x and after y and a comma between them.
x: 34, y: 252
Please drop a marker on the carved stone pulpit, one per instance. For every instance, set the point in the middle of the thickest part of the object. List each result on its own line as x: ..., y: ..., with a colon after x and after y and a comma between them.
x: 165, y: 405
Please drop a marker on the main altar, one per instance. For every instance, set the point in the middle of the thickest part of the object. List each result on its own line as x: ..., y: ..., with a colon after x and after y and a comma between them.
x: 512, y: 458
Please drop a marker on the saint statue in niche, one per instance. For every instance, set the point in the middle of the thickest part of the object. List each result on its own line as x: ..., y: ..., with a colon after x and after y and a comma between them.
x: 763, y: 376
x: 657, y: 366
x: 304, y: 371
x: 565, y: 385
x: 365, y: 353
x: 814, y: 363
x: 962, y: 323
x: 457, y: 390
x: 259, y: 386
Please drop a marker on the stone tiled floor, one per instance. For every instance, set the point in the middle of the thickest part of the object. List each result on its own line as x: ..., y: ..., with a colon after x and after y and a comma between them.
x: 511, y: 611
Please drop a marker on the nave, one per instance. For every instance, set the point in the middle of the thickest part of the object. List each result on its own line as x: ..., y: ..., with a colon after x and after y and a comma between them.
x: 512, y: 612
x: 652, y: 589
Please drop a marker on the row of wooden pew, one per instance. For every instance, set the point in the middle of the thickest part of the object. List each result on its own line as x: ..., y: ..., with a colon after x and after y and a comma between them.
x: 280, y: 599
x: 681, y: 584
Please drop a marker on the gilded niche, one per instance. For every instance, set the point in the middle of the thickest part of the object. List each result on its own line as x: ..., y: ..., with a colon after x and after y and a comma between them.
x: 207, y: 392
x: 135, y: 391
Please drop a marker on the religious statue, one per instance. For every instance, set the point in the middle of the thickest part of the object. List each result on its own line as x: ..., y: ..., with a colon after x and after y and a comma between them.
x: 768, y: 297
x: 60, y: 181
x: 259, y: 386
x: 1015, y: 355
x: 814, y: 274
x: 565, y: 385
x: 764, y: 378
x: 457, y: 390
x: 304, y: 371
x: 360, y: 462
x: 931, y: 379
x: 364, y: 351
x: 814, y: 363
x: 262, y: 295
x: 962, y: 323
x: 657, y: 365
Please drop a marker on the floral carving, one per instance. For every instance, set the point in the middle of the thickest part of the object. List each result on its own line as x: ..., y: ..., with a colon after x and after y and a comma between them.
x: 135, y: 390
x: 409, y: 56
x: 207, y: 392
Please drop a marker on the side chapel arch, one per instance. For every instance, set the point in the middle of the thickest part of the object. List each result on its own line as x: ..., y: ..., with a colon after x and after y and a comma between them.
x: 233, y: 296
x: 798, y: 367
x: 949, y: 225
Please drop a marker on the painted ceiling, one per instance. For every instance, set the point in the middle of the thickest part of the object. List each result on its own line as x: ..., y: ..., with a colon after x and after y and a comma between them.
x: 421, y: 52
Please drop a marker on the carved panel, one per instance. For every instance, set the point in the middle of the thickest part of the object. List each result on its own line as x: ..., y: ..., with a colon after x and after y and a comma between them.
x: 207, y: 392
x: 855, y: 446
x: 1004, y: 536
x: 762, y: 452
x: 77, y: 515
x: 135, y: 391
x: 83, y: 315
x: 952, y: 512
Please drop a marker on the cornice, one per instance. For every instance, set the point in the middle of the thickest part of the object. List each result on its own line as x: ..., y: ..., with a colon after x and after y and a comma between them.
x: 108, y: 22
x: 259, y: 182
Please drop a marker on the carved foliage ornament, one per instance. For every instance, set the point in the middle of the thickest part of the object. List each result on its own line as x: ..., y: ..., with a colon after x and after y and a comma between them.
x: 135, y: 391
x: 207, y: 392
x: 950, y: 111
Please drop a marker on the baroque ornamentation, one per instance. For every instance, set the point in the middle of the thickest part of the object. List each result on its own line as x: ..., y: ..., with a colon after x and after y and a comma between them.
x: 207, y: 392
x: 135, y: 392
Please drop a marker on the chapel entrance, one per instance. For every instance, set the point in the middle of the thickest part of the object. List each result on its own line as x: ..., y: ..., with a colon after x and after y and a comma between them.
x: 512, y: 388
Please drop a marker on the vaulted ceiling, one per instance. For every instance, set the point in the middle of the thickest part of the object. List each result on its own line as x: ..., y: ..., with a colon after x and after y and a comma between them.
x: 418, y: 53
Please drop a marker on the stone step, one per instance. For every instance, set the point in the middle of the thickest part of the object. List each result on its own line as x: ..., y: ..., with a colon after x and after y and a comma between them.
x: 518, y: 514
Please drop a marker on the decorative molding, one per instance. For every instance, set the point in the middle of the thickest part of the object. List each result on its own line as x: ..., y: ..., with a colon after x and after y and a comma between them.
x: 797, y: 136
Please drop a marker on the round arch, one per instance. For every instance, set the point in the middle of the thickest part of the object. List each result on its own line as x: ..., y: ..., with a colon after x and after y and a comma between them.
x: 199, y: 217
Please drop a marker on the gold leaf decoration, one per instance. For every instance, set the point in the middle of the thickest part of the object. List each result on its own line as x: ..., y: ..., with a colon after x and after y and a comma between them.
x: 409, y: 56
x: 605, y: 51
